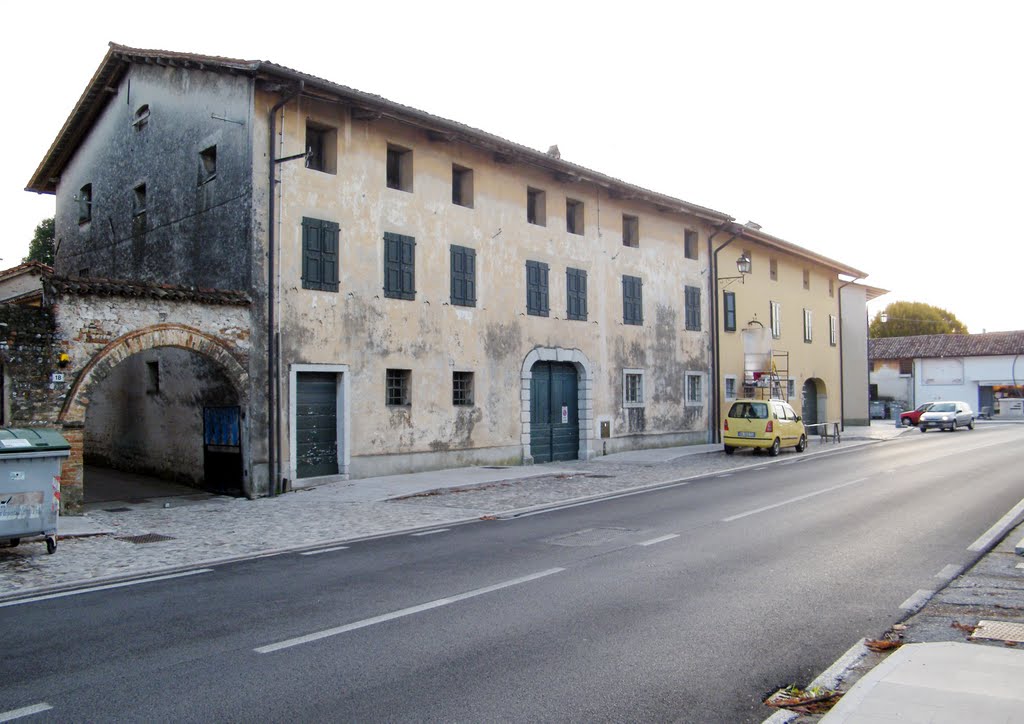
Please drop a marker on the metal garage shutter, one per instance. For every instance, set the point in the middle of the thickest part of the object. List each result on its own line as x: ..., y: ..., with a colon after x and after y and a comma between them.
x: 316, y: 424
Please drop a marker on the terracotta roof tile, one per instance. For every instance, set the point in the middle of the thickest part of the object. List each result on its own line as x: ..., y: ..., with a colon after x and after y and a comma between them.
x: 70, y: 286
x: 947, y: 345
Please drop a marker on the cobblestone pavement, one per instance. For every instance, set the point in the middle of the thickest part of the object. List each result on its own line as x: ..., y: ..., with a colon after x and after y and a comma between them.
x: 221, y: 528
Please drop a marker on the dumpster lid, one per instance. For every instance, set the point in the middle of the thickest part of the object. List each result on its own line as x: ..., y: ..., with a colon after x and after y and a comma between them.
x: 34, y: 439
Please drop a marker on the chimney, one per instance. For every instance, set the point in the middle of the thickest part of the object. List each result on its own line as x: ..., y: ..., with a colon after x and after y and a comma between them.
x: 553, y: 151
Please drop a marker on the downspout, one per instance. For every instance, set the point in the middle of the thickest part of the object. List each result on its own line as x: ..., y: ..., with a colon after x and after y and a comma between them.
x: 842, y: 385
x: 273, y: 476
x: 715, y: 346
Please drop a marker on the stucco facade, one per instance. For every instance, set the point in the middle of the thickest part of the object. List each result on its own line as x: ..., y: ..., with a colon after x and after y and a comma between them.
x: 789, y: 302
x: 381, y: 290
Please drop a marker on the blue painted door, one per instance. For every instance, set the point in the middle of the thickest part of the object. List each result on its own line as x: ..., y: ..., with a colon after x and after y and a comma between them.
x: 554, y: 412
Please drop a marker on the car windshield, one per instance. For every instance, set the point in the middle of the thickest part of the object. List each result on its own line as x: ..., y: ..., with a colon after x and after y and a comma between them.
x: 750, y: 410
x: 924, y: 407
x: 943, y: 407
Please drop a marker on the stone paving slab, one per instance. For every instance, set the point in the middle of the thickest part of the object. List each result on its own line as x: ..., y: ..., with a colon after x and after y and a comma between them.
x: 218, y: 529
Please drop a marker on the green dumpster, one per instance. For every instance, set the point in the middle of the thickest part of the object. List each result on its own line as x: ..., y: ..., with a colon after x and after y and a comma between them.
x: 30, y: 483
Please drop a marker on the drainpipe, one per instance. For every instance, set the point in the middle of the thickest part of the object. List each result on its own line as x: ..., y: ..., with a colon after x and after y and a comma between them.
x: 842, y: 386
x: 716, y: 352
x: 273, y: 476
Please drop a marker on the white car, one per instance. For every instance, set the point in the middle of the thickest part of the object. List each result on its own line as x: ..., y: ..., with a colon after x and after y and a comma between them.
x: 947, y: 416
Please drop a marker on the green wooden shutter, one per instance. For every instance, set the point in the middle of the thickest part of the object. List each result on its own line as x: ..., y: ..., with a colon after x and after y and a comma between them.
x: 692, y: 312
x: 392, y: 265
x: 463, y: 273
x: 329, y: 256
x: 311, y: 254
x: 537, y: 288
x: 632, y: 300
x: 576, y: 293
x: 408, y: 267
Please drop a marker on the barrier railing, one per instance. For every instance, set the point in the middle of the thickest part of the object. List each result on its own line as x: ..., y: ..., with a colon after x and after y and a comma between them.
x: 825, y: 430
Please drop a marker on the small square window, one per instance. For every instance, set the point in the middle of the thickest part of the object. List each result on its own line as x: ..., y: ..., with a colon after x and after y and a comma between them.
x: 630, y: 230
x: 207, y: 165
x: 694, y: 389
x: 321, y: 148
x: 690, y: 244
x: 85, y: 204
x: 807, y: 278
x: 399, y: 168
x: 632, y: 388
x: 399, y: 384
x: 139, y: 200
x: 730, y: 387
x: 906, y: 366
x: 536, y: 207
x: 462, y: 389
x: 141, y: 119
x: 773, y: 269
x: 462, y: 186
x: 153, y: 378
x: 574, y: 216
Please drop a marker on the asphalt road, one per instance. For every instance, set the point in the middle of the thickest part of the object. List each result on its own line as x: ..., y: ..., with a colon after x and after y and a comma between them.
x: 688, y: 603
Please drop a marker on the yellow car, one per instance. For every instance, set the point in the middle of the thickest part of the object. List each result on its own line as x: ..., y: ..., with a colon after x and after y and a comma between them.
x: 763, y: 425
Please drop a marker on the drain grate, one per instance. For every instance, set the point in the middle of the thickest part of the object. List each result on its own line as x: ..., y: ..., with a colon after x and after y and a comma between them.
x: 117, y: 510
x: 999, y: 631
x: 145, y: 538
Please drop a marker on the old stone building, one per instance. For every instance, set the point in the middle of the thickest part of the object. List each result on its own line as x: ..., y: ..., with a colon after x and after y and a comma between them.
x: 266, y: 273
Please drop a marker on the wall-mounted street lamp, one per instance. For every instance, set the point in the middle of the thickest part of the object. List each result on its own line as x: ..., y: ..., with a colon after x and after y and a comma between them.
x: 742, y: 266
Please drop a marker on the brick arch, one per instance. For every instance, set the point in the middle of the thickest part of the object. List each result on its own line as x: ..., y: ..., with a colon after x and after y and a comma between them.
x: 140, y: 340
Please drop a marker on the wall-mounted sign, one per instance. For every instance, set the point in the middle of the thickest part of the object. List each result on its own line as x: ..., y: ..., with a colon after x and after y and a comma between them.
x: 56, y: 377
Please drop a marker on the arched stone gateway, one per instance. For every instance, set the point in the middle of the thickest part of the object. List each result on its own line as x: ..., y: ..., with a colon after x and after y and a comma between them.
x: 573, y: 407
x: 160, y: 335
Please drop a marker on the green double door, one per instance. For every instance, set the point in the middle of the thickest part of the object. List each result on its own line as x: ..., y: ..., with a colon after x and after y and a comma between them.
x: 554, y: 412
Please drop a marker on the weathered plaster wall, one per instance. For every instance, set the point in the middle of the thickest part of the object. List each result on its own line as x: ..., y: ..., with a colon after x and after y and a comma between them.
x: 155, y: 427
x: 817, y: 359
x: 359, y: 327
x: 192, y: 233
x: 15, y: 286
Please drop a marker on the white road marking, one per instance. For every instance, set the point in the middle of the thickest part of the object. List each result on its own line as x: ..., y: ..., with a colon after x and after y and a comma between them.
x: 662, y: 539
x: 430, y: 532
x: 996, y: 531
x: 760, y: 468
x: 324, y: 550
x: 24, y: 711
x: 723, y: 475
x: 108, y: 586
x: 919, y: 599
x: 797, y: 499
x: 403, y: 612
x: 949, y: 572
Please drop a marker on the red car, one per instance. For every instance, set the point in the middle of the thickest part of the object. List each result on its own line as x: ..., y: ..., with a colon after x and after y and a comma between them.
x: 910, y: 418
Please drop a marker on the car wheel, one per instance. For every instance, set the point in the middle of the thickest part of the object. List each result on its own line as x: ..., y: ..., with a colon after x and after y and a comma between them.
x: 774, y: 449
x: 729, y: 449
x: 802, y: 445
x: 970, y: 425
x: 924, y: 429
x: 907, y: 422
x: 952, y: 428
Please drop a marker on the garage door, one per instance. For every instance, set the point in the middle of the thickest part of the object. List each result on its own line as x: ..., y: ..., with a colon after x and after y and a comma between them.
x: 316, y: 424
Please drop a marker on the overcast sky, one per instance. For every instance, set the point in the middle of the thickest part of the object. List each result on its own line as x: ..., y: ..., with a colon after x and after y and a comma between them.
x: 886, y: 135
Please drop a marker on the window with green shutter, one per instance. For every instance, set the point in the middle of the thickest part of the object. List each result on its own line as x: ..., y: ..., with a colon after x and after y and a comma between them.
x: 730, y: 311
x: 399, y: 266
x: 576, y: 293
x: 692, y: 308
x: 319, y: 255
x: 632, y: 300
x: 463, y: 262
x: 537, y: 288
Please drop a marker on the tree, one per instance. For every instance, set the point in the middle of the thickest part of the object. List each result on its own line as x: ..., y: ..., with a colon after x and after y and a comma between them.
x: 904, y: 319
x: 41, y: 246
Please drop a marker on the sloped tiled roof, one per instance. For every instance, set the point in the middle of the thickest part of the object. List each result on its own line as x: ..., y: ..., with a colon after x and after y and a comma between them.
x: 28, y: 267
x: 947, y: 345
x: 61, y: 286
